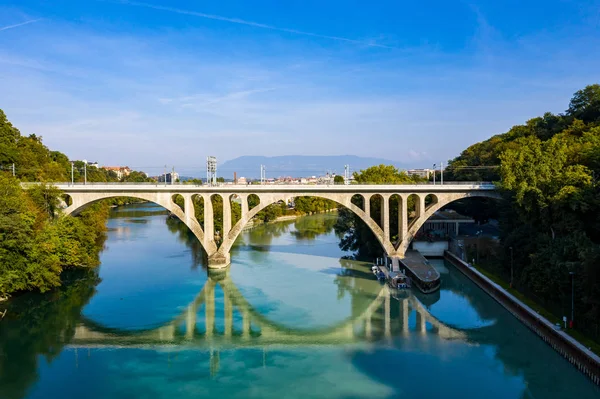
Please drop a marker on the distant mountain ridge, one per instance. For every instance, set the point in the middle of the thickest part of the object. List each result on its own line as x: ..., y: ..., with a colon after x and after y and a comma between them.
x: 298, y: 165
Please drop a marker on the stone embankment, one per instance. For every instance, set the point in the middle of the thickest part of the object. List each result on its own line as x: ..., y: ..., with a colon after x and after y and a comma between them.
x: 581, y: 357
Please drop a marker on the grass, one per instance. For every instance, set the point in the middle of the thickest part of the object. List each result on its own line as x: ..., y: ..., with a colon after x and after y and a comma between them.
x: 551, y: 317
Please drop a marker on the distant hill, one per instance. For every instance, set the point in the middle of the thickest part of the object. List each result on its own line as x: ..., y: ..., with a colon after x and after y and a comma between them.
x: 298, y: 165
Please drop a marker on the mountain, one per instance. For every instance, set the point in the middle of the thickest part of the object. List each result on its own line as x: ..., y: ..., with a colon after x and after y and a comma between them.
x: 298, y: 165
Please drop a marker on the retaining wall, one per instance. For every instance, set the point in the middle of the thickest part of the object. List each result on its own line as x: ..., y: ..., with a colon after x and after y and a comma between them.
x: 581, y: 357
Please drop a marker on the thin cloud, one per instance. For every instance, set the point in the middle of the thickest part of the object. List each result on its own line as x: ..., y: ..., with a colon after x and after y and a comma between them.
x: 21, y: 24
x: 253, y: 24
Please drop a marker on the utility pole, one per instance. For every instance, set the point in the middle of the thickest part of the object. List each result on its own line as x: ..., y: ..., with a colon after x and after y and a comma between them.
x: 434, y: 174
x: 263, y: 174
x: 442, y: 173
x: 84, y: 173
x: 72, y: 173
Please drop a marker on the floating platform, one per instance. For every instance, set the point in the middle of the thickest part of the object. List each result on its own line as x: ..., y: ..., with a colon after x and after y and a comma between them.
x: 422, y: 274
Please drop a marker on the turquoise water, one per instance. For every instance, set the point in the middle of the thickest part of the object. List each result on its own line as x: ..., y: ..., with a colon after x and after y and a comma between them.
x: 290, y: 319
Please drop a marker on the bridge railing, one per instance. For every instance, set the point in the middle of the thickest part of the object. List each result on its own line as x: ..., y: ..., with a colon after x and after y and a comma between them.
x: 156, y: 184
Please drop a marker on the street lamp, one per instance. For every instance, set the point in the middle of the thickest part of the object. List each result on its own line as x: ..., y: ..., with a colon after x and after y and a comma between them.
x: 572, y: 298
x: 478, y: 235
x: 511, y: 266
x: 434, y: 174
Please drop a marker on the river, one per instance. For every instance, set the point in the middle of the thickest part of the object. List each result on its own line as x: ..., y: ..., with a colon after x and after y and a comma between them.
x: 291, y: 318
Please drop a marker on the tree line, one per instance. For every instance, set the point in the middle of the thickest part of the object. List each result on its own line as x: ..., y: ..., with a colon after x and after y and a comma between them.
x: 549, y: 170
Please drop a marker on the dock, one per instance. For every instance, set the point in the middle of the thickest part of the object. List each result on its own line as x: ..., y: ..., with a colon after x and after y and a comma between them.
x: 423, y: 275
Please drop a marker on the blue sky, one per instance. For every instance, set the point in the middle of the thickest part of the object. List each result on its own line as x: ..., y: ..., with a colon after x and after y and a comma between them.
x: 168, y: 82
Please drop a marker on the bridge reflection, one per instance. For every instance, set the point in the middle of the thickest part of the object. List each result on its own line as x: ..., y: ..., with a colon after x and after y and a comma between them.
x: 196, y: 326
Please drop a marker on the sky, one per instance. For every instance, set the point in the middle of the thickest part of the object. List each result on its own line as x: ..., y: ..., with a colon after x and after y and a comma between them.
x: 154, y: 82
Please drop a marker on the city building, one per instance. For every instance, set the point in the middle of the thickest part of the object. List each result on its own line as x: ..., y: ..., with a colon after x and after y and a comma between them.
x: 121, y: 171
x: 424, y: 173
x: 170, y: 177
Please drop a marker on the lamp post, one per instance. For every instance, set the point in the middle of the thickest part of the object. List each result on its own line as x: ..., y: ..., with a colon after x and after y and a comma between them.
x: 434, y: 174
x: 511, y: 266
x: 442, y: 173
x: 72, y: 172
x: 478, y: 235
x: 572, y: 297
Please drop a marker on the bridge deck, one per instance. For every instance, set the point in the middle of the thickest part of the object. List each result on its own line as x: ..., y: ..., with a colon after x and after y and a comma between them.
x: 274, y: 188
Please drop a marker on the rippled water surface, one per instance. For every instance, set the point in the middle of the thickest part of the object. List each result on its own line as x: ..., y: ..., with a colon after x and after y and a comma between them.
x: 290, y: 319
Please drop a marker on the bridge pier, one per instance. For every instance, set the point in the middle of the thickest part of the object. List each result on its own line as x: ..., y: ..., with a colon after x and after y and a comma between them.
x: 219, y: 260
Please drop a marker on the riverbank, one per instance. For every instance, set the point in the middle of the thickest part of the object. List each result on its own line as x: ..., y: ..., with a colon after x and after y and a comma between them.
x: 285, y: 218
x: 583, y: 358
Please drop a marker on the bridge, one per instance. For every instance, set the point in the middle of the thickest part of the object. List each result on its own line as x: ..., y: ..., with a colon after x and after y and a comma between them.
x: 427, y: 200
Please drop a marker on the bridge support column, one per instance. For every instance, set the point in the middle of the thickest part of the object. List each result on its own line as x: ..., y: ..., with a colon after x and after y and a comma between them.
x: 189, y: 210
x: 209, y: 225
x: 226, y: 216
x: 244, y: 200
x: 402, y: 217
x: 367, y: 199
x: 219, y: 260
x: 385, y: 216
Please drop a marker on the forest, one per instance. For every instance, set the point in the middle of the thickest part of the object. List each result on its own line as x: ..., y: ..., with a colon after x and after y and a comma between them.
x: 549, y: 170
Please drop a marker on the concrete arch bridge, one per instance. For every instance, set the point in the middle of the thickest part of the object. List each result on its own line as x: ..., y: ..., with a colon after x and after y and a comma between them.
x: 426, y: 197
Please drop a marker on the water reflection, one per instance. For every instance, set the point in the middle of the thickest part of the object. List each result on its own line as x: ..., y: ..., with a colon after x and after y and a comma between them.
x: 241, y: 324
x: 290, y: 319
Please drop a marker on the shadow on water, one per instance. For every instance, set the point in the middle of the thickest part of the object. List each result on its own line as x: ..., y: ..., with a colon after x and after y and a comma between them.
x: 38, y: 326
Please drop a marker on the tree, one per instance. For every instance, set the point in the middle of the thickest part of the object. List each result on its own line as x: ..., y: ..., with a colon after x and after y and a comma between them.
x: 337, y: 179
x: 585, y: 104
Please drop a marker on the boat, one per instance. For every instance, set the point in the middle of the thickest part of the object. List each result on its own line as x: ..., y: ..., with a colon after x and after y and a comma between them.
x: 377, y: 272
x: 399, y: 281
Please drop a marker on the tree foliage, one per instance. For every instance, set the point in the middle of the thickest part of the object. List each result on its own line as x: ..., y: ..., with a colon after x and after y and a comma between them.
x: 36, y: 244
x: 549, y: 169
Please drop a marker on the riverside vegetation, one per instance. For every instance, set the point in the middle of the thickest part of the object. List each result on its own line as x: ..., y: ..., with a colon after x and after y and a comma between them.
x: 549, y: 170
x: 37, y: 246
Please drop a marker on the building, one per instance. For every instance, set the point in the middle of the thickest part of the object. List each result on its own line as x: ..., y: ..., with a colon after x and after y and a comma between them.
x: 121, y: 171
x: 242, y: 180
x: 170, y: 177
x: 424, y: 173
x: 443, y: 224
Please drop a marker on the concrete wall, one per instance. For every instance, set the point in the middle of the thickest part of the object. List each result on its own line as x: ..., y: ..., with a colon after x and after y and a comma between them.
x: 585, y: 360
x: 426, y: 248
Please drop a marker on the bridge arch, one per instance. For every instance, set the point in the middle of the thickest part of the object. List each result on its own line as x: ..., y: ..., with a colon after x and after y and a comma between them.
x: 80, y: 203
x: 440, y: 202
x: 270, y: 199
